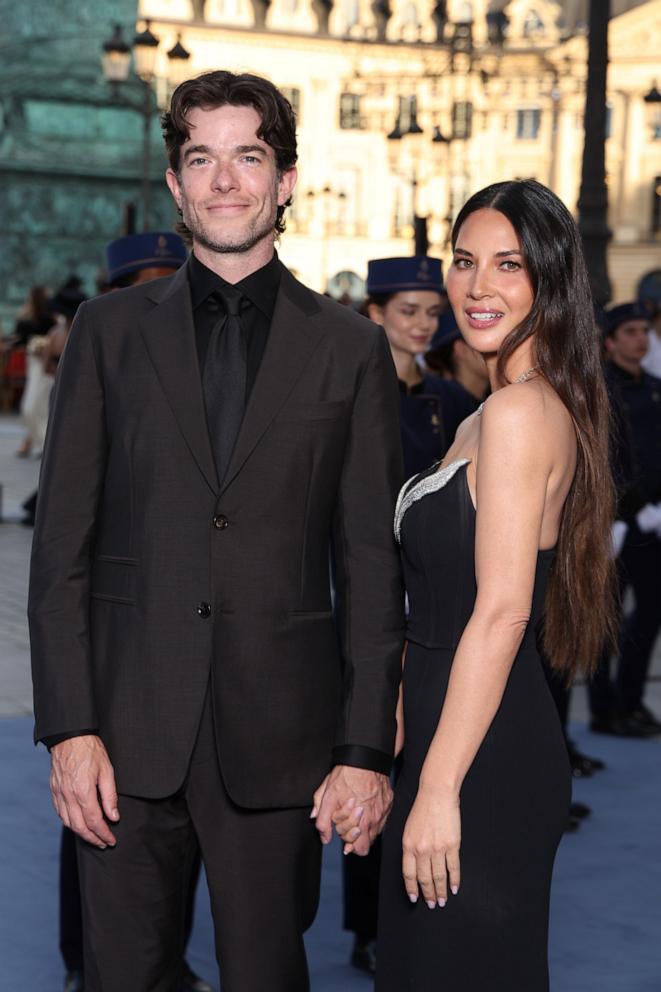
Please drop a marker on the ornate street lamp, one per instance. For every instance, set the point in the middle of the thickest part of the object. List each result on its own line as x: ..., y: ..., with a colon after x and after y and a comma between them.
x: 116, y: 63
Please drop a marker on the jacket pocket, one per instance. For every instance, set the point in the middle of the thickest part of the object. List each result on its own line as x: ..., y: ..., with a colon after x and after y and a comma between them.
x: 114, y: 579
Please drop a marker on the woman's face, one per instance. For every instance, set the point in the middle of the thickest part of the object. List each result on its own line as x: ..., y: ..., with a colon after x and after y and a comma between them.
x: 488, y: 286
x: 410, y: 319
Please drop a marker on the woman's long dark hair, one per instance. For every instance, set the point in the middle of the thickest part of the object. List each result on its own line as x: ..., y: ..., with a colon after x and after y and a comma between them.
x: 580, y: 614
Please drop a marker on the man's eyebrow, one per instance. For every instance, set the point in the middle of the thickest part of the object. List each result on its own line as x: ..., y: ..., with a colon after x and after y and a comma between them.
x: 197, y: 150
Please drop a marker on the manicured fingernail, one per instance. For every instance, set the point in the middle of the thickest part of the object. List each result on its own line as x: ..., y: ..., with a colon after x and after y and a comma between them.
x: 102, y: 847
x: 431, y: 904
x: 355, y: 833
x: 412, y: 897
x: 115, y: 814
x: 314, y: 812
x: 346, y: 849
x: 351, y: 803
x: 454, y: 889
x: 358, y: 812
x: 441, y: 903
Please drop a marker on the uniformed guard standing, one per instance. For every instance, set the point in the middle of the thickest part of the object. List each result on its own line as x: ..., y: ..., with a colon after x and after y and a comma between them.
x: 405, y: 296
x: 619, y: 709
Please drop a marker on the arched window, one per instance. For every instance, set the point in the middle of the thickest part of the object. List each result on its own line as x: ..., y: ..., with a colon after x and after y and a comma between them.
x: 533, y: 24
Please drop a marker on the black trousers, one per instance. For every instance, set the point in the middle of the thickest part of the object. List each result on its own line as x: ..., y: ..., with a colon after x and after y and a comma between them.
x: 639, y: 567
x: 71, y: 920
x: 263, y: 869
x: 361, y: 892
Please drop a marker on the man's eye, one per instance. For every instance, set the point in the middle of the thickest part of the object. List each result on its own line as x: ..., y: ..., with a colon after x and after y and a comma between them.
x: 251, y: 159
x: 197, y: 161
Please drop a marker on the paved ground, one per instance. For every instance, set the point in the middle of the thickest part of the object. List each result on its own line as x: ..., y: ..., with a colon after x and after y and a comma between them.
x: 606, y: 911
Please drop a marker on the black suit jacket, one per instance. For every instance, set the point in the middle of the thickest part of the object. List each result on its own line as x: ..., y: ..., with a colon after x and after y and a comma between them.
x: 147, y: 577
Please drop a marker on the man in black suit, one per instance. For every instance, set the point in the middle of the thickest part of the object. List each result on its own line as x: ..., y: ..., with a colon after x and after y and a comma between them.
x: 213, y: 435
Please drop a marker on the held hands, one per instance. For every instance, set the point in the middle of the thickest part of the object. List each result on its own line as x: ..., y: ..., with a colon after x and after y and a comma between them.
x: 431, y: 842
x: 357, y: 801
x: 81, y: 773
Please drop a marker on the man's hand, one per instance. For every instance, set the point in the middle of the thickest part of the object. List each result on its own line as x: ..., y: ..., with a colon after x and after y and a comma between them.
x: 348, y: 797
x: 81, y: 773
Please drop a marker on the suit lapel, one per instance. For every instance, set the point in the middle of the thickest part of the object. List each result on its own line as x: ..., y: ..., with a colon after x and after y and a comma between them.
x: 169, y: 336
x: 293, y: 337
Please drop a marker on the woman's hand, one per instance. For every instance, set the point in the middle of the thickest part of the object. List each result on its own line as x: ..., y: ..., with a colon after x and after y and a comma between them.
x: 432, y: 837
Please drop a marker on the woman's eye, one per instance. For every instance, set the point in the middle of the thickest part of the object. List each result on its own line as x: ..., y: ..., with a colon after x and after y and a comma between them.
x: 510, y: 266
x: 461, y: 263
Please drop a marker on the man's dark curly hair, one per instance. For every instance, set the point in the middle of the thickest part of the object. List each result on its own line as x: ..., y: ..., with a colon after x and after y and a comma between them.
x: 218, y: 88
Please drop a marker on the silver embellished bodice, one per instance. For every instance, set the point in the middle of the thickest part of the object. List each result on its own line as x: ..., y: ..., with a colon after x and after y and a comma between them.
x: 420, y: 486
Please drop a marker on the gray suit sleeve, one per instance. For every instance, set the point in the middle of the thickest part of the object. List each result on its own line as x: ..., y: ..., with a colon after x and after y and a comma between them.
x: 70, y: 484
x: 370, y: 597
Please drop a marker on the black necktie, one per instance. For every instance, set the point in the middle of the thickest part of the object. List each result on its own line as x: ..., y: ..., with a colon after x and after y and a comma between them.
x: 224, y: 379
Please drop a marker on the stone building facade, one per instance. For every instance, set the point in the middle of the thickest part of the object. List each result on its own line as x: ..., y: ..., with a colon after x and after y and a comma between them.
x: 405, y: 107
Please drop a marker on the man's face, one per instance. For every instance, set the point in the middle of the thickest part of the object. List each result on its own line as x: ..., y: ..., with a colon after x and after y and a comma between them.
x: 228, y: 187
x: 629, y: 343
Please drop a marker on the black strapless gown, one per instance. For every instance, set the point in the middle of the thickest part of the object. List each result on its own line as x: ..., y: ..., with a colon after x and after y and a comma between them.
x: 492, y: 936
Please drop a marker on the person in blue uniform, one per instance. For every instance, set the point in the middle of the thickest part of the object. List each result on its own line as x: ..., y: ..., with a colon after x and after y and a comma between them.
x: 404, y: 295
x: 618, y: 707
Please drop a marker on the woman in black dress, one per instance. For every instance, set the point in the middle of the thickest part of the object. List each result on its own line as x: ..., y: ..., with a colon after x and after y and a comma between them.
x: 511, y: 530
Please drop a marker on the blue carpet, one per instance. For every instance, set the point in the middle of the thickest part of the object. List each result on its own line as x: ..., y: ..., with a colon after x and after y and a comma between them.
x: 606, y: 913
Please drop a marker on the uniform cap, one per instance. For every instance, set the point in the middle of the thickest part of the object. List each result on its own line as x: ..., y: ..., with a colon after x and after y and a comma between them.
x: 393, y: 275
x: 621, y: 314
x: 153, y: 249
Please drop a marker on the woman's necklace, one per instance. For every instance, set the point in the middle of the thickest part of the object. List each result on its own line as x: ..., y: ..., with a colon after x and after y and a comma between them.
x: 521, y: 378
x: 526, y: 375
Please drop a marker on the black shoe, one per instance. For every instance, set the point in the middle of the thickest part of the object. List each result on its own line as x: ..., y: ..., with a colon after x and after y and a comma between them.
x: 578, y: 811
x: 74, y: 982
x: 581, y: 766
x: 622, y: 725
x: 584, y: 761
x: 644, y: 716
x: 190, y: 982
x: 363, y: 955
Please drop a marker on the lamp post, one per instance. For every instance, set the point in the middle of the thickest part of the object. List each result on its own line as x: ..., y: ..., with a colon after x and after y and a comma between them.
x: 324, y: 196
x: 409, y: 132
x: 116, y: 65
x: 593, y: 196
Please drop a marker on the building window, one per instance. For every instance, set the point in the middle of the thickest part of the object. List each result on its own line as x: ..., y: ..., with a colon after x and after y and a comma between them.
x: 527, y: 123
x: 533, y: 24
x: 462, y: 119
x: 293, y: 94
x: 350, y: 119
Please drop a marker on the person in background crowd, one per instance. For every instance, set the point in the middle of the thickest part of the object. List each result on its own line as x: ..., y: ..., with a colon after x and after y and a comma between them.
x: 33, y: 320
x: 130, y: 260
x: 43, y: 362
x: 619, y: 709
x: 652, y: 360
x: 404, y: 295
x: 450, y: 357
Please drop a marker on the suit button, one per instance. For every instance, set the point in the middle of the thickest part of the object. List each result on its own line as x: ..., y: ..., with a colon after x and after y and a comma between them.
x: 204, y: 610
x: 220, y: 522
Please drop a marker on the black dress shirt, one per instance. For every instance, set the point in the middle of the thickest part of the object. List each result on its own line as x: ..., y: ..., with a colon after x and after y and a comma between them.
x: 260, y: 290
